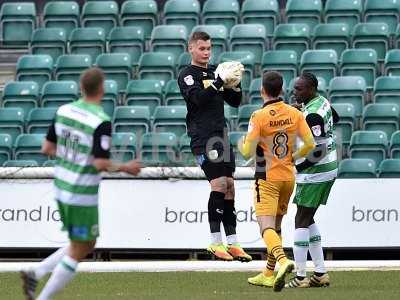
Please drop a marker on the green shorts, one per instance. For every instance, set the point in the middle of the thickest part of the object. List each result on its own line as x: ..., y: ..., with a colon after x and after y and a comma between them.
x: 81, y: 222
x: 312, y: 194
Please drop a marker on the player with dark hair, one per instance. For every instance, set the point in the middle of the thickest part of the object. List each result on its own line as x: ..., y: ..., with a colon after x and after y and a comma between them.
x: 80, y: 139
x: 315, y: 178
x: 205, y: 89
x: 272, y: 134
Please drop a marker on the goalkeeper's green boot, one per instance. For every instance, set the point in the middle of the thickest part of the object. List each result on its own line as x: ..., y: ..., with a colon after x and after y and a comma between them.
x: 238, y: 253
x: 286, y: 268
x: 262, y: 280
x: 220, y: 252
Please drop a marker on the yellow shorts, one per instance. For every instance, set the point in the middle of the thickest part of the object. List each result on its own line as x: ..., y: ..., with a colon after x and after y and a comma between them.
x: 271, y: 198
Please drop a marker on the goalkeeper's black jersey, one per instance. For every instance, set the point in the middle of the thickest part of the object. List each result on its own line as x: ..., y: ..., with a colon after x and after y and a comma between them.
x: 205, y: 105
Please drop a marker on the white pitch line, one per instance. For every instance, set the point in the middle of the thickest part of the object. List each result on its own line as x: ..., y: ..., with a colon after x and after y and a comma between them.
x: 204, y: 266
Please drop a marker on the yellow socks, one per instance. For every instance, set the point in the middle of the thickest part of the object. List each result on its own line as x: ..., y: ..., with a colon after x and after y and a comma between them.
x: 274, y: 245
x: 271, y: 261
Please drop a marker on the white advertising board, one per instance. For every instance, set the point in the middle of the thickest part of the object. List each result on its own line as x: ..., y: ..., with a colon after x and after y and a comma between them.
x: 164, y: 214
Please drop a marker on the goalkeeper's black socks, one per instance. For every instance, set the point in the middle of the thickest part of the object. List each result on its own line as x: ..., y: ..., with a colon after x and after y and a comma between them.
x: 215, y: 211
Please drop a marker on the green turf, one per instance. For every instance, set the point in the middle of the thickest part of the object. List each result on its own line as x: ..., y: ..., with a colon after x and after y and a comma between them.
x: 376, y: 285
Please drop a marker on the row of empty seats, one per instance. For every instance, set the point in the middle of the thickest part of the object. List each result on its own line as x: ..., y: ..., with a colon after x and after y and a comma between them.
x: 244, y: 37
x: 167, y: 148
x: 163, y: 66
x: 366, y: 168
x: 144, y: 13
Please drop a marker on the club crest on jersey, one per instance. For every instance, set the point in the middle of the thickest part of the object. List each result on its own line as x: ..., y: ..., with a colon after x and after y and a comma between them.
x: 189, y: 80
x: 316, y: 130
x: 272, y: 112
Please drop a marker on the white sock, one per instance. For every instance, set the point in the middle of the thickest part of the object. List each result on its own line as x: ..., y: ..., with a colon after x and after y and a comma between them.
x: 231, y: 239
x: 316, y: 252
x: 300, y: 249
x: 216, y: 237
x: 47, y: 265
x: 62, y: 274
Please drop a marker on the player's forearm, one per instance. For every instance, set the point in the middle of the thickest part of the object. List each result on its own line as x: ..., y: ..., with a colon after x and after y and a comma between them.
x: 107, y: 165
x: 247, y: 148
x: 233, y: 97
x: 308, y: 146
x: 49, y: 148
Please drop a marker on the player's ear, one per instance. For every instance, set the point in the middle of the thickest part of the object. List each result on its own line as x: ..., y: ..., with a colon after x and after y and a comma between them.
x: 262, y: 91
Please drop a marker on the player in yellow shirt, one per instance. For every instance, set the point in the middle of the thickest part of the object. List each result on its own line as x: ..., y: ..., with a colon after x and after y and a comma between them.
x: 271, y: 136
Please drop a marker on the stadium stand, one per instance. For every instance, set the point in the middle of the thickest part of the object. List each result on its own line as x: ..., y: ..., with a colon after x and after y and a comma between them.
x: 141, y: 45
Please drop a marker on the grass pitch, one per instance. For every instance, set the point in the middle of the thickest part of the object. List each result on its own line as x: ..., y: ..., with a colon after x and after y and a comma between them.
x: 211, y: 285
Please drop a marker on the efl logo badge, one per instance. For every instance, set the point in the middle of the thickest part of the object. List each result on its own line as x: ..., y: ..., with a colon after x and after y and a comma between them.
x: 189, y: 80
x: 316, y: 130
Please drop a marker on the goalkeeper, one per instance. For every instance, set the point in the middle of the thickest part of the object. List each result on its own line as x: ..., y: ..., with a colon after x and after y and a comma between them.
x: 205, y: 90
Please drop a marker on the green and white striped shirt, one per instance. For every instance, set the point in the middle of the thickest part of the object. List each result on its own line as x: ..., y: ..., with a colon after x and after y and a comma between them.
x: 83, y: 132
x: 326, y: 168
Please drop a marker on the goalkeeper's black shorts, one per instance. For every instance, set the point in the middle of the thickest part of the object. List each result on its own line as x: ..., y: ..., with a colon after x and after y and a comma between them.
x: 217, y: 163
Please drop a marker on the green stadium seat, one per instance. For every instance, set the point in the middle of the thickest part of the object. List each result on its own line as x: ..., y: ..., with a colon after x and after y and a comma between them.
x: 28, y: 147
x: 5, y: 147
x: 294, y: 37
x: 158, y: 148
x: 169, y: 38
x: 110, y: 98
x: 230, y: 114
x: 36, y: 68
x: 144, y: 93
x: 57, y: 93
x: 397, y: 38
x: 39, y: 119
x: 186, y: 156
x: 321, y: 63
x: 245, y: 112
x: 389, y: 168
x: 382, y: 11
x: 49, y: 163
x: 248, y: 37
x: 234, y: 137
x: 117, y: 67
x: 394, y: 149
x: 283, y: 61
x: 360, y: 62
x: 123, y: 146
x: 357, y: 168
x: 372, y: 36
x: 219, y: 37
x: 20, y: 163
x: 88, y: 40
x: 387, y: 89
x: 127, y: 40
x: 334, y: 36
x: 51, y: 41
x: 182, y: 12
x: 255, y: 92
x: 343, y: 11
x: 23, y: 94
x: 306, y: 11
x: 392, y: 63
x: 173, y: 94
x: 17, y: 20
x: 100, y: 14
x: 225, y: 12
x: 61, y: 14
x: 347, y: 122
x: 141, y: 13
x: 184, y: 60
x: 382, y: 116
x: 12, y: 121
x: 261, y: 12
x: 132, y: 119
x: 369, y: 144
x: 170, y: 119
x: 348, y: 90
x: 157, y: 65
x: 248, y: 61
x: 70, y: 67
